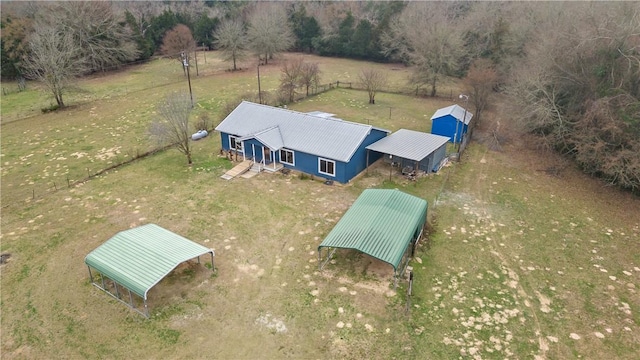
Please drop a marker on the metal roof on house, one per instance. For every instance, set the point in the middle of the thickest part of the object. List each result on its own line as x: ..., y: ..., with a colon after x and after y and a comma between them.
x: 456, y: 111
x: 139, y: 258
x: 409, y: 144
x: 326, y: 137
x: 381, y: 223
x: 270, y: 137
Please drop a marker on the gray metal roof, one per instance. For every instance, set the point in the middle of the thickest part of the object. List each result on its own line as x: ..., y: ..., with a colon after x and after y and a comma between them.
x: 381, y: 223
x: 458, y: 112
x: 326, y: 137
x: 409, y: 144
x: 270, y: 137
x: 139, y: 258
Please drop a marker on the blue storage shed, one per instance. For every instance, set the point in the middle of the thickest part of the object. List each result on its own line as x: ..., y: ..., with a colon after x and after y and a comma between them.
x: 314, y: 143
x: 447, y: 120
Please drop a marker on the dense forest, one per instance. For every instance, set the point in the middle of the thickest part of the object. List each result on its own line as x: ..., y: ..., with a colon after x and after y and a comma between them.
x: 570, y: 71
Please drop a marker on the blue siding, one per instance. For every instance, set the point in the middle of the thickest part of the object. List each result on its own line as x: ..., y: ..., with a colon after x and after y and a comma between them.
x: 224, y: 137
x: 446, y: 126
x: 359, y: 159
x: 309, y: 164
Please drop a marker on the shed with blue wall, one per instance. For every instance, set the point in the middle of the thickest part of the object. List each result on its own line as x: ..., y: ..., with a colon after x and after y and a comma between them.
x: 447, y: 120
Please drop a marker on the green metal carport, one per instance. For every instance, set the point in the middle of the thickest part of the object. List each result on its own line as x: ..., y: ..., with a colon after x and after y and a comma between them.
x: 381, y: 223
x: 137, y: 259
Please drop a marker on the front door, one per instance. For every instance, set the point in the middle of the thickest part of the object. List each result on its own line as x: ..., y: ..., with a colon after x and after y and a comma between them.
x: 267, y: 155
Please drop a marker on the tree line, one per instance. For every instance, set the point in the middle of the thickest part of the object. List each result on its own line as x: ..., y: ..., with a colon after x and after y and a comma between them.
x: 570, y: 71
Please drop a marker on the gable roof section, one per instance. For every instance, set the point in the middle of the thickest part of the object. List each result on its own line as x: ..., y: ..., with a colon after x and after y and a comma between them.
x: 270, y: 137
x: 454, y: 110
x: 321, y: 136
x: 139, y: 258
x: 409, y: 144
x: 381, y: 223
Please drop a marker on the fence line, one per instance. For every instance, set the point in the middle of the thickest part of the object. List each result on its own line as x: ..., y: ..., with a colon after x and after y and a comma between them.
x: 67, y: 182
x: 55, y: 186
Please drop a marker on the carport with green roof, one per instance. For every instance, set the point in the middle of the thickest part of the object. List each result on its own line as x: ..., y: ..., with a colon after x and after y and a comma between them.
x: 138, y: 259
x: 384, y: 224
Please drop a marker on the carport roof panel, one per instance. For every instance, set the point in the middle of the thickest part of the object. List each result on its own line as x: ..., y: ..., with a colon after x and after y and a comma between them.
x: 380, y: 223
x: 409, y: 144
x: 139, y: 258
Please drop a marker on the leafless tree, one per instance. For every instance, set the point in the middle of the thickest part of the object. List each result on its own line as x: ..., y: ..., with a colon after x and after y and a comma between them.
x: 269, y: 32
x: 290, y: 74
x: 172, y: 125
x: 178, y: 41
x: 231, y: 38
x: 373, y: 80
x: 425, y: 34
x: 141, y: 11
x: 103, y: 41
x: 54, y: 58
x: 579, y: 86
x: 309, y: 75
x: 481, y: 78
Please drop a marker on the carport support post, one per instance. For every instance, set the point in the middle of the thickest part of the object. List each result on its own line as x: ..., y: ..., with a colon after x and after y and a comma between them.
x: 146, y: 308
x: 90, y: 275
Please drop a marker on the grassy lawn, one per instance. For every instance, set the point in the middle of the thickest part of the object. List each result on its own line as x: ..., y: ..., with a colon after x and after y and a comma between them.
x: 518, y: 264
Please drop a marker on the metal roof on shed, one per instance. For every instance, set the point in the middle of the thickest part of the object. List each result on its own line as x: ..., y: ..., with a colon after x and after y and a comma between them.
x: 409, y: 144
x: 456, y: 111
x: 321, y: 136
x: 139, y: 258
x: 381, y: 223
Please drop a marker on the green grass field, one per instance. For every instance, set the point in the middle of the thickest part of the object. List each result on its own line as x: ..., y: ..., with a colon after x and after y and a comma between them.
x: 518, y: 263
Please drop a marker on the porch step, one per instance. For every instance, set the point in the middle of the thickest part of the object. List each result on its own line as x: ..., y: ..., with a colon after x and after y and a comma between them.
x: 237, y: 170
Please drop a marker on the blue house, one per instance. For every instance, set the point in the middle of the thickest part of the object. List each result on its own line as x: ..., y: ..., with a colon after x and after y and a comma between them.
x: 314, y: 143
x: 447, y: 121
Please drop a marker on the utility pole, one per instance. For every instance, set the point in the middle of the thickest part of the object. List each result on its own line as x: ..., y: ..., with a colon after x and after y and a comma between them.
x: 186, y: 65
x: 259, y: 92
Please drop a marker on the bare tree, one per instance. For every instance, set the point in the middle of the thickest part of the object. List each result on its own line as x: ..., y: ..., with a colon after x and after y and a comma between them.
x: 579, y: 86
x: 425, y: 35
x: 309, y: 75
x: 230, y: 37
x: 269, y: 31
x: 172, y: 126
x: 53, y: 58
x: 102, y: 39
x: 479, y: 83
x: 178, y: 41
x: 142, y: 12
x: 290, y: 74
x: 373, y: 80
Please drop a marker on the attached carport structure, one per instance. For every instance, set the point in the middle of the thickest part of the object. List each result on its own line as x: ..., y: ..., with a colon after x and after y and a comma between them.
x: 137, y: 259
x: 382, y: 223
x: 418, y: 150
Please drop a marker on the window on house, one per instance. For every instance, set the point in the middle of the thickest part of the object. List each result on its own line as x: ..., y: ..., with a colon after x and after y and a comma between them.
x: 327, y: 167
x: 286, y: 157
x: 234, y: 143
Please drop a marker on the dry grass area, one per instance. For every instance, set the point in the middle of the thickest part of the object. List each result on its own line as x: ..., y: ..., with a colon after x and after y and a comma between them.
x: 520, y: 263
